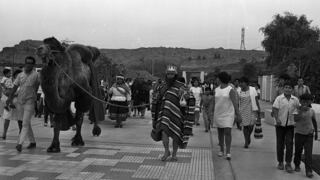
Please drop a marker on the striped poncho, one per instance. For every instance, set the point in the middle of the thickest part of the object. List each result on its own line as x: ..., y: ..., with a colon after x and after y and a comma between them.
x: 170, y: 115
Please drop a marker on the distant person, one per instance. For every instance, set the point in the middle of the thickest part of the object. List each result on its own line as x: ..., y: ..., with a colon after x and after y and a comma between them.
x: 28, y: 82
x: 236, y: 84
x: 258, y: 89
x: 226, y: 111
x: 120, y: 95
x: 280, y: 86
x: 206, y: 103
x: 305, y: 128
x: 237, y: 88
x: 212, y: 84
x: 283, y: 107
x: 197, y: 93
x: 300, y: 88
x: 249, y: 109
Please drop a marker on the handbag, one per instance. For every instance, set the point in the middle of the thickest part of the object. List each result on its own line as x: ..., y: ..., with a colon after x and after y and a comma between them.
x: 156, y: 135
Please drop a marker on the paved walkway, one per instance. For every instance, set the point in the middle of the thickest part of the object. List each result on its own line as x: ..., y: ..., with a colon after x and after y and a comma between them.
x: 130, y: 153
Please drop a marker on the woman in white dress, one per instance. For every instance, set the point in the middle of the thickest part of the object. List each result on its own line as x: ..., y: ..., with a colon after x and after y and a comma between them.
x: 225, y: 110
x: 197, y: 93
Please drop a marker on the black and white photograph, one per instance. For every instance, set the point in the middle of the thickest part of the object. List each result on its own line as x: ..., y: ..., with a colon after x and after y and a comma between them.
x: 159, y: 89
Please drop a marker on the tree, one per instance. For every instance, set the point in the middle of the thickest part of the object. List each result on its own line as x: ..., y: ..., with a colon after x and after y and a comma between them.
x: 307, y: 63
x: 250, y: 71
x: 286, y: 33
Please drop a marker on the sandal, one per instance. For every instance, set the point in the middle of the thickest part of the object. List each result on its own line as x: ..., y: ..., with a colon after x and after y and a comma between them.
x: 165, y: 157
x: 173, y: 159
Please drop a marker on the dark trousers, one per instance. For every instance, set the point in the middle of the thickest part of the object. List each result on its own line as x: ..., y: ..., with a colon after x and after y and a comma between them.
x: 247, y: 131
x: 284, y: 141
x: 303, y: 142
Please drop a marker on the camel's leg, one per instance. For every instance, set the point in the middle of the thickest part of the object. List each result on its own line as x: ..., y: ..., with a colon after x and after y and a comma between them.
x: 77, y: 140
x: 55, y: 145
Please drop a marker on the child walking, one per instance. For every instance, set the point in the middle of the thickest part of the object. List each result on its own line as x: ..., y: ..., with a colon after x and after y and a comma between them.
x: 206, y: 102
x: 306, y: 126
x: 283, y: 107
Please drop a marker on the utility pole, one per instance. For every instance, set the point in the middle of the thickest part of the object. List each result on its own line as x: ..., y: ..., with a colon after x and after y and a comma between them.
x: 242, y: 46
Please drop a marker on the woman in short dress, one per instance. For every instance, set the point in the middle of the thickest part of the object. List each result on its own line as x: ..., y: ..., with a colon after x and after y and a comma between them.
x: 249, y: 109
x: 225, y: 112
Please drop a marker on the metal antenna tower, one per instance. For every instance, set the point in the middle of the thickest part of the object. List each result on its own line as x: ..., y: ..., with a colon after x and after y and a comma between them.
x: 242, y: 46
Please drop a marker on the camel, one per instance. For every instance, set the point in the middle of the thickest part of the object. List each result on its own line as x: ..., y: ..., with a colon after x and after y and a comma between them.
x: 68, y: 76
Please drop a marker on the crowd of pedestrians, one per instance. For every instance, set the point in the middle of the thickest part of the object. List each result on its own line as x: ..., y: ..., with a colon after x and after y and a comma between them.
x: 176, y: 107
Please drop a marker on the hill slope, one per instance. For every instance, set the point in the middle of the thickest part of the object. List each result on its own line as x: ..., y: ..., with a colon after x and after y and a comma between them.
x: 151, y: 59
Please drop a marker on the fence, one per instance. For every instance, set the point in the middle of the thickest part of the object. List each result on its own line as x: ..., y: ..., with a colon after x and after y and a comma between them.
x: 267, y: 87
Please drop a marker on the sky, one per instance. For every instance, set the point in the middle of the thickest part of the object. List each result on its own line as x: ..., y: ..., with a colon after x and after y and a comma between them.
x: 113, y: 24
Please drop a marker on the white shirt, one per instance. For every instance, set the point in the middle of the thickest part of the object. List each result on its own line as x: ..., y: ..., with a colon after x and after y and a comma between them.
x: 286, y: 109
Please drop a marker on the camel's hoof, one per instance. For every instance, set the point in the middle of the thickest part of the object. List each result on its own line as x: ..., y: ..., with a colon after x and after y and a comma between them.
x: 76, y: 142
x: 96, y: 131
x: 54, y: 148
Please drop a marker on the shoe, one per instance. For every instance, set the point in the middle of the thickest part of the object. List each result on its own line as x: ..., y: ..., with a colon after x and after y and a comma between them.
x: 297, y: 168
x: 309, y: 174
x: 228, y: 157
x: 220, y: 154
x: 120, y: 126
x: 165, y: 156
x: 19, y: 147
x: 4, y: 137
x: 280, y: 166
x: 198, y: 124
x: 246, y: 146
x: 116, y: 126
x: 206, y: 130
x: 45, y: 124
x: 288, y: 168
x: 31, y: 146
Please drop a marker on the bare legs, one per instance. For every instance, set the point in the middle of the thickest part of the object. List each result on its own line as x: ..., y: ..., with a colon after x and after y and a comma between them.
x: 224, y: 136
x: 6, y: 127
x: 165, y: 141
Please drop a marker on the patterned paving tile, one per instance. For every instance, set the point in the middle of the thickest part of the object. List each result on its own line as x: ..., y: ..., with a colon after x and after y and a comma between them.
x: 100, y: 152
x: 36, y: 175
x: 81, y: 176
x: 124, y: 165
x: 97, y: 168
x: 132, y: 159
x: 103, y: 161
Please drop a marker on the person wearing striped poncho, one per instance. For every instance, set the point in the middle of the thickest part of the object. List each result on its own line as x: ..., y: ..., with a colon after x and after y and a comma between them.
x: 172, y: 114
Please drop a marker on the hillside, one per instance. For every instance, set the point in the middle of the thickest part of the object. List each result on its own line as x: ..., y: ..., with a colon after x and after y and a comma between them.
x: 153, y: 57
x: 187, y: 58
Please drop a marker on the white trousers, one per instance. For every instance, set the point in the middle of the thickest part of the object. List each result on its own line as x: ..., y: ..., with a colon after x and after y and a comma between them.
x: 26, y: 112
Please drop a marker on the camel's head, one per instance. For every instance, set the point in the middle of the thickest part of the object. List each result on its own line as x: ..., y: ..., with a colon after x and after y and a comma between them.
x: 54, y: 82
x: 51, y: 51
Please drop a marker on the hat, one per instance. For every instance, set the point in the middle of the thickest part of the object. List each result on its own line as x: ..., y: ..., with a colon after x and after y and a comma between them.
x: 172, y: 69
x: 119, y: 76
